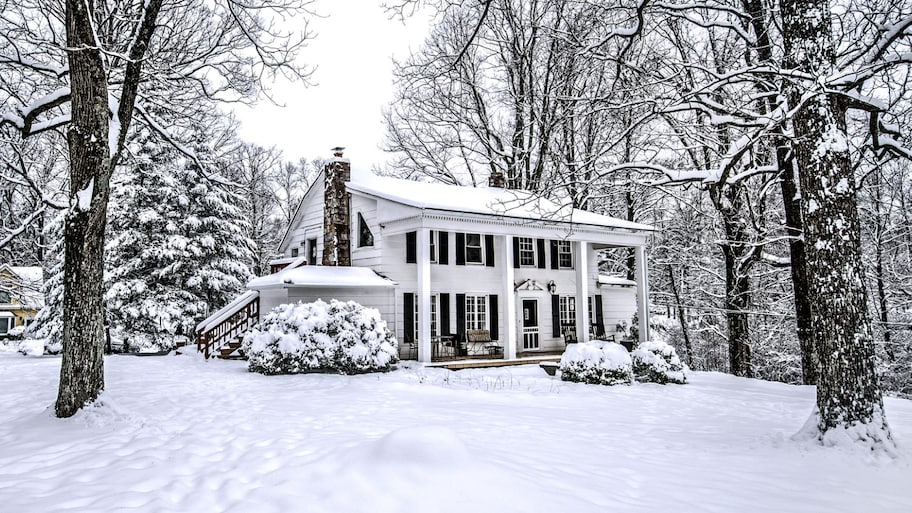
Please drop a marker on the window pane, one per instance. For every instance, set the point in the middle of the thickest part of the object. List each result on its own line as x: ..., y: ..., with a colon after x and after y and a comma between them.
x: 526, y: 251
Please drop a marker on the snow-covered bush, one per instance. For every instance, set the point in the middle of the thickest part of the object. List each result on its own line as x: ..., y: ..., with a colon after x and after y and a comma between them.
x: 600, y: 363
x: 32, y: 347
x: 339, y: 336
x: 657, y: 362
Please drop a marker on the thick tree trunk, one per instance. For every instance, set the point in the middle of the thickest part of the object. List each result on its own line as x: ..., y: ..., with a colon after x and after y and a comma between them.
x: 82, y: 366
x: 737, y: 301
x: 849, y: 399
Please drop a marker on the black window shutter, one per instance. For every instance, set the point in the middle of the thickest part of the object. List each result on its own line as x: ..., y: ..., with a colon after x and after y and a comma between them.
x: 444, y: 307
x: 489, y: 250
x: 554, y: 262
x: 555, y: 315
x: 516, y: 252
x: 408, y: 316
x: 460, y: 248
x: 411, y: 247
x: 460, y: 316
x: 443, y: 248
x: 540, y: 250
x: 599, y: 316
x: 493, y: 325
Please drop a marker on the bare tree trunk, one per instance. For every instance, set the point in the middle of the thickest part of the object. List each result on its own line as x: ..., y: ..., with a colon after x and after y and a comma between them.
x: 763, y: 45
x: 849, y: 398
x: 82, y: 367
x: 93, y: 157
x: 681, y: 318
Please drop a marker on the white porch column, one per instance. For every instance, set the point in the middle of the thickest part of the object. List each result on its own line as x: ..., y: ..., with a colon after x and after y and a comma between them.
x: 642, y: 282
x: 509, y: 297
x: 423, y: 240
x: 582, y: 291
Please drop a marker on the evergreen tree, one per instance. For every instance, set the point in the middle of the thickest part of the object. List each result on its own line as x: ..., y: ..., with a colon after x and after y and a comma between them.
x: 177, y: 249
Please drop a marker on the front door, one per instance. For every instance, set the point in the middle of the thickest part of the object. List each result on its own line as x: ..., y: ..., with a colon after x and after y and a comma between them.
x: 530, y: 324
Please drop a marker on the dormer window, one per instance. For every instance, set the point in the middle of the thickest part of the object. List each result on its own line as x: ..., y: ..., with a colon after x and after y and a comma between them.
x: 365, y: 237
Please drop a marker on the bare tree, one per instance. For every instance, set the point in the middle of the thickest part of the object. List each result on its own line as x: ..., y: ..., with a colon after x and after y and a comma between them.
x: 92, y: 66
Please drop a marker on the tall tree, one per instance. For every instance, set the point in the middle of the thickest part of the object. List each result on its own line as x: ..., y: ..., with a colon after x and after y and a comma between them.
x: 849, y: 399
x: 116, y: 63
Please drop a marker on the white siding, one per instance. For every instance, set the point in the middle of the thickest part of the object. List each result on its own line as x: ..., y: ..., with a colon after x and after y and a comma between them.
x: 309, y: 222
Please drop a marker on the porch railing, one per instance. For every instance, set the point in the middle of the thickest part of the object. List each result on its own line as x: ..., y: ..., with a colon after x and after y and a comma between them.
x: 222, y: 330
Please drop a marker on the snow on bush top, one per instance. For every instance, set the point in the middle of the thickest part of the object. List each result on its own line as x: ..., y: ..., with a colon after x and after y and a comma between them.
x: 658, y: 362
x: 608, y: 355
x: 337, y: 336
x: 603, y: 363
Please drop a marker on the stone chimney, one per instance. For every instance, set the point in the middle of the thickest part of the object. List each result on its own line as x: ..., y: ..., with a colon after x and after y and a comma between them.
x: 336, y: 211
x: 497, y: 179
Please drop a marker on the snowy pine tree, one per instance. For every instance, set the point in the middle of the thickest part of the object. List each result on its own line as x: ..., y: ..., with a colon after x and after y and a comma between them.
x: 176, y: 249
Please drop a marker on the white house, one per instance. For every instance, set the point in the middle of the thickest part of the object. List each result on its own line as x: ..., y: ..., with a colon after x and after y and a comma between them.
x: 447, y: 264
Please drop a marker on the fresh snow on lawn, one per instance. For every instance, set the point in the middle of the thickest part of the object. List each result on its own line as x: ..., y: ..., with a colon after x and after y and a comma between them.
x: 180, y: 434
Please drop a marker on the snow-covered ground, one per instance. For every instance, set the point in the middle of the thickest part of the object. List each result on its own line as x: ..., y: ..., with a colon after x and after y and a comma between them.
x: 185, y: 435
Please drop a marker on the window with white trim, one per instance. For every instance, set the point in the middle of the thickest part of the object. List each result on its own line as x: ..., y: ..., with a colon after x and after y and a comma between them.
x: 5, y: 324
x: 564, y: 254
x: 433, y: 244
x: 434, y: 317
x: 567, y: 310
x: 476, y: 312
x: 526, y: 251
x: 474, y: 252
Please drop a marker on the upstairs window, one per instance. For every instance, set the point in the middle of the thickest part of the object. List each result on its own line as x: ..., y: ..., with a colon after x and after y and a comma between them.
x: 365, y: 237
x: 433, y: 243
x: 526, y: 252
x: 564, y: 254
x: 4, y: 297
x: 294, y: 252
x: 474, y: 253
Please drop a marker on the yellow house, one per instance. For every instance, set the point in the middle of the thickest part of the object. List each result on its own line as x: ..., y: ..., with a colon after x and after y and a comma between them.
x: 20, y: 296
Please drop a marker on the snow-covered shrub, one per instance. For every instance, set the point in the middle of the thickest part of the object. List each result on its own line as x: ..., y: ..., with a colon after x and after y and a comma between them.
x: 657, y: 362
x: 599, y: 363
x: 339, y: 336
x: 31, y: 347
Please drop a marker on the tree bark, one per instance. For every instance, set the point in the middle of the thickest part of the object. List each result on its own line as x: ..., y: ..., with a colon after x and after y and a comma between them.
x: 849, y: 399
x: 93, y: 157
x: 82, y: 366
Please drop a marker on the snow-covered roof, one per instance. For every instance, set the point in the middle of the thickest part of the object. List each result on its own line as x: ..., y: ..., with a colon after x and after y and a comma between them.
x: 607, y: 279
x: 29, y: 280
x: 322, y: 276
x: 481, y: 200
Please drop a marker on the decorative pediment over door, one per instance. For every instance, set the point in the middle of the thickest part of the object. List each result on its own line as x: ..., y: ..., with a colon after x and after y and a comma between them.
x: 530, y: 285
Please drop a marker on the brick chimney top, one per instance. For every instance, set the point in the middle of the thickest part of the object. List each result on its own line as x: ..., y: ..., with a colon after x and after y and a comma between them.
x: 337, y: 151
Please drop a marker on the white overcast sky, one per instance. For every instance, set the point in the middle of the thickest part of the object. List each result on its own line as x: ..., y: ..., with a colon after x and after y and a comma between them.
x: 352, y: 52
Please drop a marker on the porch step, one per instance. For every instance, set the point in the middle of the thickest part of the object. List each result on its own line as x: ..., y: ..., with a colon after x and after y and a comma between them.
x: 483, y: 364
x: 228, y: 351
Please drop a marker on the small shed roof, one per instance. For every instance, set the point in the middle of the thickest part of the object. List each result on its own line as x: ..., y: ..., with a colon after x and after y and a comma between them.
x: 322, y: 276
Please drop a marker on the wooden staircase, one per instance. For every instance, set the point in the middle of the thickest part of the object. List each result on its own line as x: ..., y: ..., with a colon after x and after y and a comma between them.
x: 221, y: 333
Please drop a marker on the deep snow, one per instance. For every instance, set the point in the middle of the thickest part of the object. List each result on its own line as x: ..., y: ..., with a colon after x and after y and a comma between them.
x: 177, y: 433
